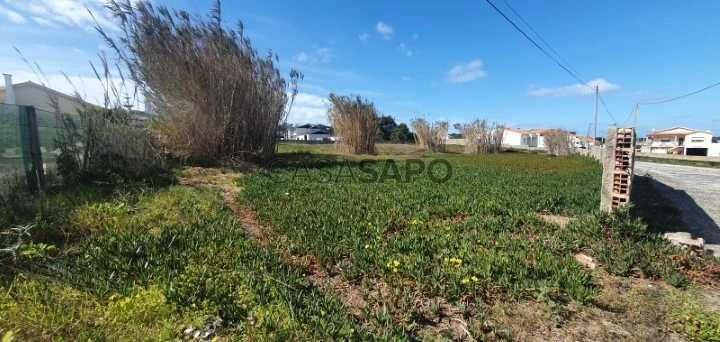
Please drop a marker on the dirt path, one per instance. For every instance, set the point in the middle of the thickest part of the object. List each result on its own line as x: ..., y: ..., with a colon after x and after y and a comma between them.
x: 358, y: 298
x: 695, y: 191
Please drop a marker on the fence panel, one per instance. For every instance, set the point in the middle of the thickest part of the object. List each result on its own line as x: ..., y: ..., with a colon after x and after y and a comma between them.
x: 15, y: 160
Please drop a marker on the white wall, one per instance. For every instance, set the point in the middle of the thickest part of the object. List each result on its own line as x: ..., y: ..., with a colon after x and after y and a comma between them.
x: 34, y: 96
x: 512, y: 138
x: 705, y: 136
x: 541, y: 141
x: 316, y: 136
x: 714, y: 150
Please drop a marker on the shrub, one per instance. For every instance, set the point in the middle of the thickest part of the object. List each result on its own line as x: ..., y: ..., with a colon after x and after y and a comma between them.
x: 355, y: 122
x: 481, y: 138
x: 429, y: 136
x: 217, y: 98
x: 557, y: 142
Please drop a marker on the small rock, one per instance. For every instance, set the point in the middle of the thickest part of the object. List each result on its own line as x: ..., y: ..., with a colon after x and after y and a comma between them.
x: 188, y: 331
x: 685, y: 239
x: 588, y: 261
x: 196, y: 334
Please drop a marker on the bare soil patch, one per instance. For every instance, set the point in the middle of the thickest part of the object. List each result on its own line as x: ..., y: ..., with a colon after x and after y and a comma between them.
x: 556, y: 219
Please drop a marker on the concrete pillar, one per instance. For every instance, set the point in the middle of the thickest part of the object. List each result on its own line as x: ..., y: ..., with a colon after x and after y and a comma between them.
x: 618, y: 161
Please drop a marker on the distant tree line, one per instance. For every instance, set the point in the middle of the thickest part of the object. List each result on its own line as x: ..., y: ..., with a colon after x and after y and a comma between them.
x: 392, y: 131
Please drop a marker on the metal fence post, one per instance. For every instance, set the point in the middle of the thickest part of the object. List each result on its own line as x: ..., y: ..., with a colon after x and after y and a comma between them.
x: 36, y: 178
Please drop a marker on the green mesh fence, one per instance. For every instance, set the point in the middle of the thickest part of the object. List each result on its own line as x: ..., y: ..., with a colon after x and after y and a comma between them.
x: 50, y: 126
x: 14, y: 144
x: 15, y: 160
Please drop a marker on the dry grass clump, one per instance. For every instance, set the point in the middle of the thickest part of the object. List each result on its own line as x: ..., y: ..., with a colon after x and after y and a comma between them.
x: 217, y: 98
x: 429, y: 136
x: 355, y: 123
x: 557, y: 142
x: 481, y: 138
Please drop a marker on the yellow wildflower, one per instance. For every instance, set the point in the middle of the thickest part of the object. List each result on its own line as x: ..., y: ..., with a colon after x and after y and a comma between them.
x: 474, y: 278
x: 465, y: 281
x: 396, y: 263
x: 367, y: 246
x: 394, y: 269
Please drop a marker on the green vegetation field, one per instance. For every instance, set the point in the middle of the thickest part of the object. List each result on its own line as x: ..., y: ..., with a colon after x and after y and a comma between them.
x: 316, y: 248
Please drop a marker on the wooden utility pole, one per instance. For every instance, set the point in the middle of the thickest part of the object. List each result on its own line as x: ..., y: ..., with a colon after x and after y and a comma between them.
x: 636, y: 114
x: 597, y: 96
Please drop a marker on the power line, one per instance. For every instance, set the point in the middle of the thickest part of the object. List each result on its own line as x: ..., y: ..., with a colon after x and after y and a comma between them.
x: 536, y: 44
x: 683, y: 96
x: 629, y: 115
x: 575, y: 74
x: 602, y: 100
x: 541, y: 38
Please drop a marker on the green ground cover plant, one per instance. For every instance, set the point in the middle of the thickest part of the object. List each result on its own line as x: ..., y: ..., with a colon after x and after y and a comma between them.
x: 158, y: 261
x: 475, y: 257
x: 476, y: 238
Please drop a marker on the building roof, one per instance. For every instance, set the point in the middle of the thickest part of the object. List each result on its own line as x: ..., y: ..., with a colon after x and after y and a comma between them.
x: 585, y: 138
x: 534, y: 131
x: 318, y: 131
x: 677, y: 130
x: 40, y: 86
x: 516, y: 130
x: 138, y: 114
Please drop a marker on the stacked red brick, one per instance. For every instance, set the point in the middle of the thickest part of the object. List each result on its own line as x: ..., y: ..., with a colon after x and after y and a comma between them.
x: 617, y: 167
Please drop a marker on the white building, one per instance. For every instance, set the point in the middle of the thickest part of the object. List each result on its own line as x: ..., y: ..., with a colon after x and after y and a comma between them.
x: 681, y: 140
x: 43, y: 98
x: 307, y: 132
x: 534, y: 137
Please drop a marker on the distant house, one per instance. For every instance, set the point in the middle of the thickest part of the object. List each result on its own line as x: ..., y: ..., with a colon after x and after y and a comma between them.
x: 583, y: 141
x: 533, y: 137
x: 307, y: 132
x: 680, y: 140
x: 32, y: 94
x: 36, y: 95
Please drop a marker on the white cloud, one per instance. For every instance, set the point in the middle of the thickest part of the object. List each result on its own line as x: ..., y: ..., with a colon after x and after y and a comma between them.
x: 44, y: 22
x: 575, y: 89
x: 405, y: 78
x: 13, y: 16
x: 384, y: 30
x: 308, y: 108
x: 405, y: 50
x: 364, y: 37
x: 323, y: 54
x: 68, y: 12
x: 303, y: 57
x: 467, y: 72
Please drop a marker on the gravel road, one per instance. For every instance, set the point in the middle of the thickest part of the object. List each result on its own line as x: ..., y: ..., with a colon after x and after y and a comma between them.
x: 695, y: 191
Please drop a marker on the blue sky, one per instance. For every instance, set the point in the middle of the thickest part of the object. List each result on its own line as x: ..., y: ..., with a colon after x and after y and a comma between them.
x: 452, y: 60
